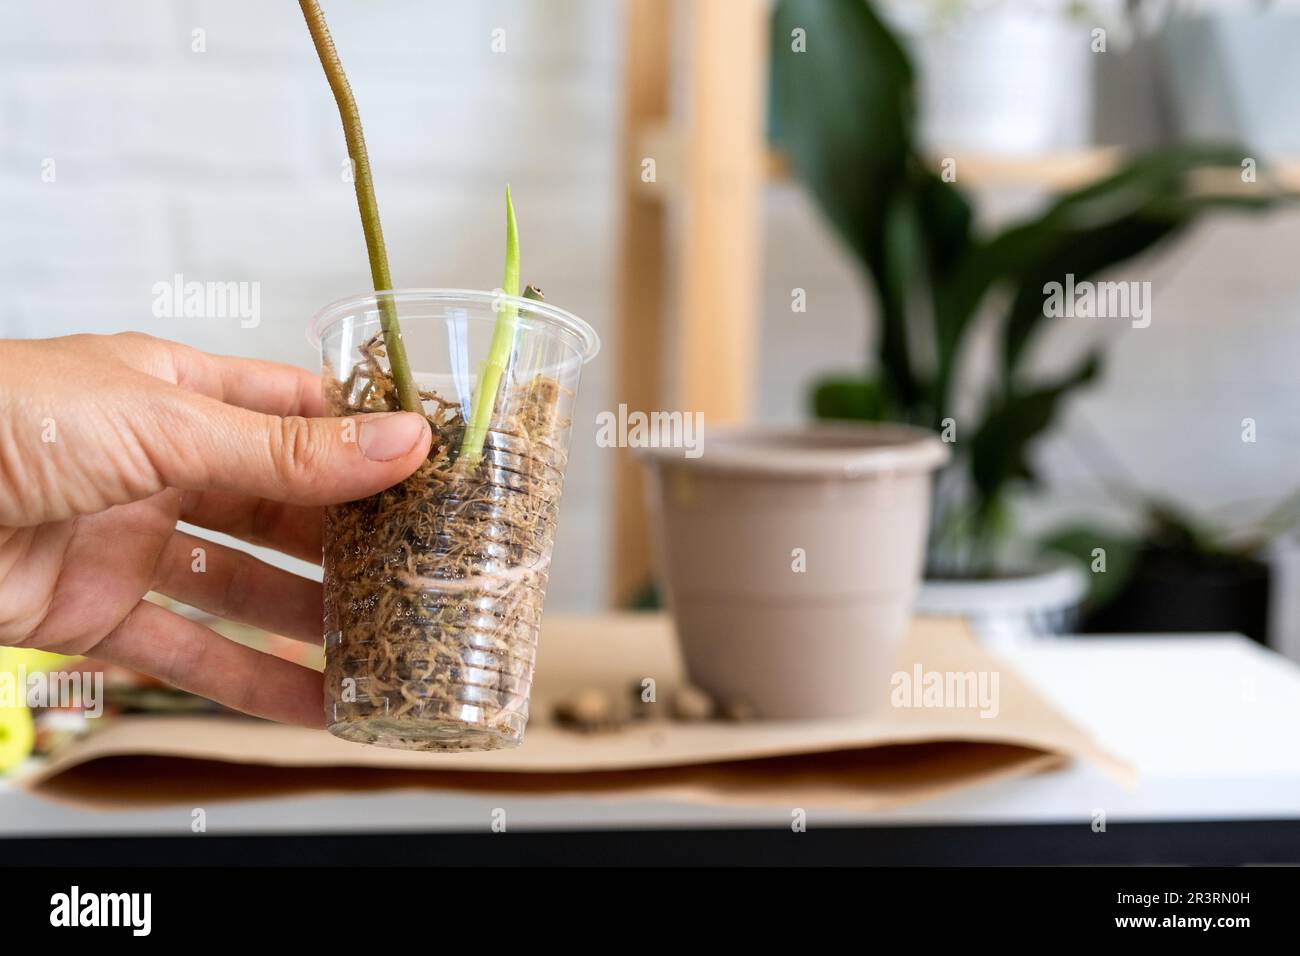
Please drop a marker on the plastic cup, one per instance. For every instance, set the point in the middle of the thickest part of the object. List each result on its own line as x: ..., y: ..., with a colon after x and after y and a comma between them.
x: 434, y: 588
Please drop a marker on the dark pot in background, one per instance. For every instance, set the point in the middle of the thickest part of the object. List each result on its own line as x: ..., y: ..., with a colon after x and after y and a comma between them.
x: 1175, y: 592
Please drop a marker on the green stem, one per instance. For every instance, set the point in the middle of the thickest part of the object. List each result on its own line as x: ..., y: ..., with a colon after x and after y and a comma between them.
x: 407, y: 393
x: 503, y: 340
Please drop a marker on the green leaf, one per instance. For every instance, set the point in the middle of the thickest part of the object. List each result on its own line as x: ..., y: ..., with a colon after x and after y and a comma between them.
x: 843, y: 111
x: 1120, y: 552
x: 850, y: 399
x: 1149, y: 201
x: 1171, y: 527
x: 999, y: 450
x: 503, y: 338
x: 944, y: 218
x: 896, y: 266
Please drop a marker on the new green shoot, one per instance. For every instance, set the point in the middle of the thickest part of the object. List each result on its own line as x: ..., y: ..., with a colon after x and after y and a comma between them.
x: 503, y: 340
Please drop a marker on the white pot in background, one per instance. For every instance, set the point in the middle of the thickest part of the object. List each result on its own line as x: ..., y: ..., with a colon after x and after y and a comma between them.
x: 1008, y: 611
x: 1001, y: 79
x: 1235, y: 76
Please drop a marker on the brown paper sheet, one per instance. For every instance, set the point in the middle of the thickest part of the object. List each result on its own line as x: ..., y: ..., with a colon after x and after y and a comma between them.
x: 894, y: 757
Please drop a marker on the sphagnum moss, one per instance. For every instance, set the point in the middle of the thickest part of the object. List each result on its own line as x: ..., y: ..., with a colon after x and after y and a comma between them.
x: 434, y: 587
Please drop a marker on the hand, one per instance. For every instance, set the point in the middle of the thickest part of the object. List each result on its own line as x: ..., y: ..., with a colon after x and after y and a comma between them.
x: 107, y: 441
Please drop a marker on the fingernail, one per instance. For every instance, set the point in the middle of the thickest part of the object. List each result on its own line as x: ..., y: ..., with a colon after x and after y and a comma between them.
x: 389, y: 435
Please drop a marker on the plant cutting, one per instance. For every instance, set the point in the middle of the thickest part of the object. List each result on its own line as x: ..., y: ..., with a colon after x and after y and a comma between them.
x: 434, y: 587
x: 844, y: 115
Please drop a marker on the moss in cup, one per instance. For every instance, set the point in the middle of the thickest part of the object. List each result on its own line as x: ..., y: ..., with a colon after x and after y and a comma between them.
x: 434, y: 587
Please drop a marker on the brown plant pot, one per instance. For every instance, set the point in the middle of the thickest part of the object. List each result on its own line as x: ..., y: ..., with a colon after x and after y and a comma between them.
x: 434, y: 588
x: 790, y: 558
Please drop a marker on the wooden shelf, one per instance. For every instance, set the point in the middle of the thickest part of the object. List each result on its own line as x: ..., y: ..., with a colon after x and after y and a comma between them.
x: 1062, y: 171
x: 1051, y: 173
x: 688, y: 282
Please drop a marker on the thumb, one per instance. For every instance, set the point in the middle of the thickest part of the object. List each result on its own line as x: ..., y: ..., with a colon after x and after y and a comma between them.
x: 309, y: 461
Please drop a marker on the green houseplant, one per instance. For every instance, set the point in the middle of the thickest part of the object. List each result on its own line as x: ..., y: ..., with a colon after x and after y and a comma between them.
x: 844, y: 115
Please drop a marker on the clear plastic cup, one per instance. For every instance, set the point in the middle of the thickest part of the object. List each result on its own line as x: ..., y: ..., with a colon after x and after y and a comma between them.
x: 434, y: 587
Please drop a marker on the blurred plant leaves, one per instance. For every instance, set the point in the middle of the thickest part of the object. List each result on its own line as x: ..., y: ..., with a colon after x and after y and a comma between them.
x: 849, y: 399
x: 1152, y: 199
x: 944, y: 217
x: 843, y: 111
x: 1080, y: 543
x: 999, y: 451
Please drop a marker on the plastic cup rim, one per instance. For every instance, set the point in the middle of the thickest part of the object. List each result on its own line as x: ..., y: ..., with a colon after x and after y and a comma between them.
x: 772, y: 450
x: 586, y: 341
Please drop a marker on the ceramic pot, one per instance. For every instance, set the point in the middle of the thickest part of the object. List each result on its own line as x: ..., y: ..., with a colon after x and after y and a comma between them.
x: 790, y: 558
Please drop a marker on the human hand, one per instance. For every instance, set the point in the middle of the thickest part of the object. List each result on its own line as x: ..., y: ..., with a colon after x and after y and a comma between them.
x: 107, y: 441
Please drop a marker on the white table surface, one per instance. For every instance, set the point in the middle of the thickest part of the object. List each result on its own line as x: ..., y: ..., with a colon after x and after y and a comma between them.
x: 1212, y: 724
